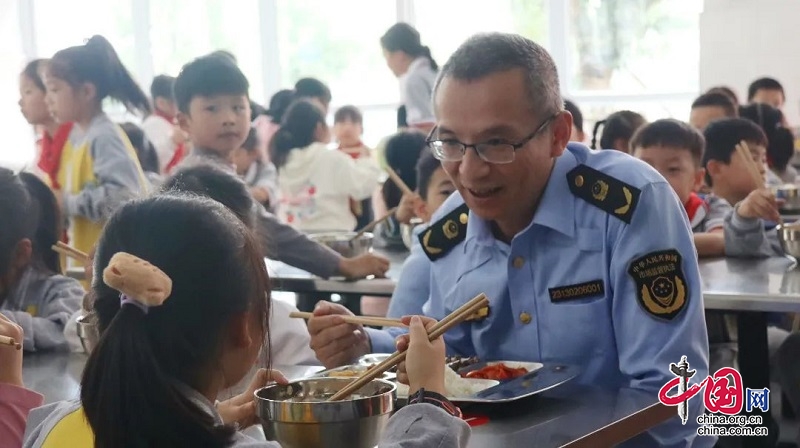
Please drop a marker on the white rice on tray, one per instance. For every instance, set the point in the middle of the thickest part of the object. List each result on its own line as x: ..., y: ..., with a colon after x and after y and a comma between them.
x: 455, y: 385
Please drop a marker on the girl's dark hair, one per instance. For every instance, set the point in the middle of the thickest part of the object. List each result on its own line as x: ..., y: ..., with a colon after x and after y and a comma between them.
x: 279, y: 103
x: 15, y: 201
x: 312, y: 88
x: 44, y: 211
x: 210, y: 181
x: 97, y: 63
x: 426, y: 166
x: 145, y: 151
x: 131, y: 386
x: 780, y: 141
x: 404, y: 37
x: 402, y: 153
x: 297, y: 130
x: 31, y: 71
x: 402, y: 117
x: 619, y: 125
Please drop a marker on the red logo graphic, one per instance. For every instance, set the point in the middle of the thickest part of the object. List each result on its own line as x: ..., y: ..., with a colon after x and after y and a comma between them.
x: 724, y: 392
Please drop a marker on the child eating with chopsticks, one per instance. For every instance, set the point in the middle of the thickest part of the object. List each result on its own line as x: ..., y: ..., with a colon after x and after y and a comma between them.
x: 183, y: 317
x: 33, y: 293
x: 735, y: 165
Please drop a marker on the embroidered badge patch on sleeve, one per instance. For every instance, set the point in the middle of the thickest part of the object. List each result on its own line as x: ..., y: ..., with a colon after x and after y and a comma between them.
x: 660, y: 283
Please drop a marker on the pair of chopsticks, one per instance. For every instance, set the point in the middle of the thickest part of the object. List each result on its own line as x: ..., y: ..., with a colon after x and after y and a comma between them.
x: 398, y: 181
x: 11, y: 342
x: 372, y: 225
x: 744, y: 151
x: 357, y: 320
x: 452, y: 319
x: 69, y: 251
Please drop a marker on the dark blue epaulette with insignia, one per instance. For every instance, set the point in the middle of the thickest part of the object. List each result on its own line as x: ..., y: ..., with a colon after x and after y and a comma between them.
x: 604, y: 192
x: 445, y: 234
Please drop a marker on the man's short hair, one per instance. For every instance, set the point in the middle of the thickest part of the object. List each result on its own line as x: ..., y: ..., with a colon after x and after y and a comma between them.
x: 489, y: 53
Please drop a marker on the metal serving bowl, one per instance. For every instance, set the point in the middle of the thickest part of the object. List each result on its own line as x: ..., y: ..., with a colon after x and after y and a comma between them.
x: 789, y: 236
x: 88, y: 332
x: 296, y: 416
x: 340, y: 242
x: 407, y: 232
x: 790, y: 194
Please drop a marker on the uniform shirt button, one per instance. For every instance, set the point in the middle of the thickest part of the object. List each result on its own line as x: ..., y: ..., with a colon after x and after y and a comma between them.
x: 525, y: 318
x: 518, y: 262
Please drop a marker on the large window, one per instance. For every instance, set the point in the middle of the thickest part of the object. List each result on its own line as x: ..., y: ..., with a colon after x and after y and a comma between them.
x: 18, y: 137
x: 446, y: 24
x: 61, y: 24
x: 641, y: 55
x: 332, y: 41
x: 635, y: 46
x: 181, y: 30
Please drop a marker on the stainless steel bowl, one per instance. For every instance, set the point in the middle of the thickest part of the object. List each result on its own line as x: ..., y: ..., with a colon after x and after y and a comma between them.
x: 789, y: 236
x: 790, y: 194
x: 407, y: 232
x: 88, y: 332
x: 340, y: 242
x: 304, y: 422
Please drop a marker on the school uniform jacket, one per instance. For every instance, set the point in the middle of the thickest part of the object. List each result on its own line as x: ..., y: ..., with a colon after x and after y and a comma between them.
x: 99, y: 171
x: 41, y: 304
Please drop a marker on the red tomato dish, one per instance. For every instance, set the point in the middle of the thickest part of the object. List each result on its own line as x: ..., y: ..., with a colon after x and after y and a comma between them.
x: 498, y: 372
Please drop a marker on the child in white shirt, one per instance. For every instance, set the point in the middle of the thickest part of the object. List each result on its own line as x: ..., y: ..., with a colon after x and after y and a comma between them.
x: 160, y: 127
x: 315, y: 183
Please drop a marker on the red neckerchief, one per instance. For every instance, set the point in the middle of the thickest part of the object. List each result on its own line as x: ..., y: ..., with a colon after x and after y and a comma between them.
x: 696, y: 208
x: 180, y: 150
x: 50, y: 154
x: 346, y: 149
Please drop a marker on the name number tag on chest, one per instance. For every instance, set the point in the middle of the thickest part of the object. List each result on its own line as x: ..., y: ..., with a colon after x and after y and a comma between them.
x: 575, y: 292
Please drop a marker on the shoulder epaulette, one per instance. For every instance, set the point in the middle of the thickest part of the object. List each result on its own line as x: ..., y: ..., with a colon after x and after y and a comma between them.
x: 604, y: 192
x: 443, y: 235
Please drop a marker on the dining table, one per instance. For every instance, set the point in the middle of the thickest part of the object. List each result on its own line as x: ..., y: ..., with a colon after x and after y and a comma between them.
x: 569, y: 415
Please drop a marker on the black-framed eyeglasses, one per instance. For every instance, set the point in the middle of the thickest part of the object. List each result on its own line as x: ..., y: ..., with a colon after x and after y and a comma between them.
x: 451, y: 150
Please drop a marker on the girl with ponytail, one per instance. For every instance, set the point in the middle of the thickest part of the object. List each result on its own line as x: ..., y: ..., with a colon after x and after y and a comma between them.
x: 412, y: 63
x: 183, y: 312
x: 99, y: 169
x: 618, y: 128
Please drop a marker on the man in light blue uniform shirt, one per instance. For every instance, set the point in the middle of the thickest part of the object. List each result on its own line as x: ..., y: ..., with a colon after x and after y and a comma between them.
x: 586, y: 257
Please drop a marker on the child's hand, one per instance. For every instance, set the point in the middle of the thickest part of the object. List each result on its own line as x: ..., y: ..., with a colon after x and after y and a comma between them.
x: 424, y: 365
x: 241, y: 409
x: 405, y: 210
x: 363, y: 266
x: 88, y: 268
x: 179, y: 136
x: 10, y: 357
x: 759, y: 203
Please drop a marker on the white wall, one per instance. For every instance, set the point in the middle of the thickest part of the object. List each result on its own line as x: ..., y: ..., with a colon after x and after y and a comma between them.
x: 741, y: 40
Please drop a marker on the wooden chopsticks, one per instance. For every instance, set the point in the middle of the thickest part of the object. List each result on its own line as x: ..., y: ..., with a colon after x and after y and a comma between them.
x: 11, y: 342
x: 452, y: 319
x: 374, y: 223
x: 357, y: 320
x: 744, y: 151
x: 398, y: 181
x: 70, y: 251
